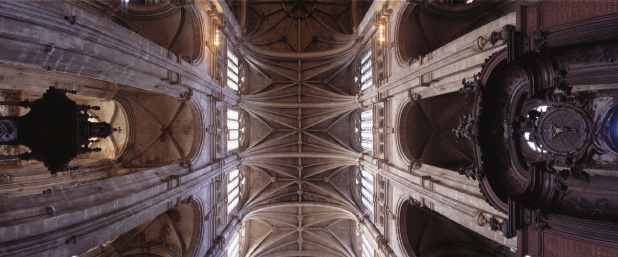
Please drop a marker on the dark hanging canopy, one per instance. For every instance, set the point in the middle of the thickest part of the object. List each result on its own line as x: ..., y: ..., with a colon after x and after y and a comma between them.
x: 56, y: 129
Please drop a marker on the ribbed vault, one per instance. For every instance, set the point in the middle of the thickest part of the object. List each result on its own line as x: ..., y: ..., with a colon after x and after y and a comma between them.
x: 303, y: 230
x: 300, y: 103
x: 299, y: 25
x: 304, y: 156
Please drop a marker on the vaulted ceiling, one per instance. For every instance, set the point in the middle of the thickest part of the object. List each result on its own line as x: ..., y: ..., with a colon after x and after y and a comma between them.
x: 300, y: 102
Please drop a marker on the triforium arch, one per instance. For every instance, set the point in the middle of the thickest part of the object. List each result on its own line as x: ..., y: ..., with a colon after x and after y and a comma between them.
x: 426, y: 233
x: 425, y: 26
x: 426, y: 131
x: 165, y: 129
x: 173, y: 25
x: 178, y: 232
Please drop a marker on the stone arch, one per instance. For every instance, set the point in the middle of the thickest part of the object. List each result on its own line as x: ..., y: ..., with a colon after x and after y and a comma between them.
x: 171, y: 25
x: 422, y: 233
x: 425, y: 27
x: 425, y: 131
x: 199, y: 215
x: 174, y: 233
x: 170, y: 129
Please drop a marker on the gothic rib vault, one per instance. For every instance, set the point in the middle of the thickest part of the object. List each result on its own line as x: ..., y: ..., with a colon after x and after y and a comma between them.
x: 300, y: 160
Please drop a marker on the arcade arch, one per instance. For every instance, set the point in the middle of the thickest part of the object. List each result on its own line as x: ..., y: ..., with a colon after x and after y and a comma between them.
x: 425, y: 131
x: 423, y: 234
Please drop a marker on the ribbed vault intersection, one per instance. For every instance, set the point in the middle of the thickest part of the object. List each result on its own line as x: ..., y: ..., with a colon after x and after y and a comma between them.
x: 301, y: 106
x: 305, y: 156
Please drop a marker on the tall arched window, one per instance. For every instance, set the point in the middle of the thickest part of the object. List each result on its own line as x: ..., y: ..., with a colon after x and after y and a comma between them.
x: 233, y: 249
x: 367, y: 189
x: 366, y: 129
x: 366, y: 75
x: 233, y: 129
x: 367, y: 249
x: 233, y: 71
x: 233, y: 190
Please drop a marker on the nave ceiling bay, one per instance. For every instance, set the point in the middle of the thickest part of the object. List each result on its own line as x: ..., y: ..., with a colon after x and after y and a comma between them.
x: 301, y: 105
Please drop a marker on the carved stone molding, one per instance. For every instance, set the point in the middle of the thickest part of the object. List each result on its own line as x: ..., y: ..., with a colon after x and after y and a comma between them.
x: 186, y: 96
x: 414, y: 97
x: 481, y: 219
x: 415, y: 165
x: 482, y: 42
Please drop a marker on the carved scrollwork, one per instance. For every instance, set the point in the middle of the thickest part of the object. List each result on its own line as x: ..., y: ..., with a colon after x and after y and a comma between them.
x: 481, y: 219
x: 502, y: 226
x: 495, y: 224
x: 493, y: 38
x: 468, y: 129
x: 471, y: 88
x: 559, y: 83
x: 472, y: 172
x: 496, y: 36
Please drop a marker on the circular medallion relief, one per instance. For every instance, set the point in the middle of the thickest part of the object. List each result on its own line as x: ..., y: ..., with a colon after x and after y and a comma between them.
x: 563, y: 130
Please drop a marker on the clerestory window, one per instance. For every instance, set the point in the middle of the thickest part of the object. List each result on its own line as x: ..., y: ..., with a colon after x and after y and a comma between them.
x: 367, y: 249
x: 233, y: 249
x: 233, y: 127
x: 366, y: 129
x: 367, y: 189
x: 233, y: 71
x: 366, y: 71
x: 233, y: 190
